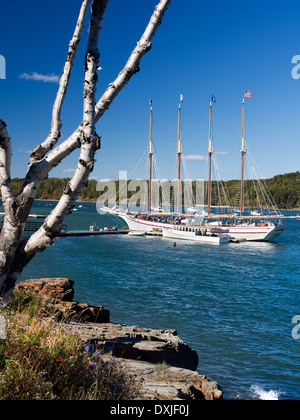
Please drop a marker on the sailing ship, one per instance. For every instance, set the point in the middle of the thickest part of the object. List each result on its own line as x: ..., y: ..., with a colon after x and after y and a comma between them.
x: 236, y: 224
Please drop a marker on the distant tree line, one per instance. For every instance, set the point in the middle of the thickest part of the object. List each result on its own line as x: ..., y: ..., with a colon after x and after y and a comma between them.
x: 285, y: 190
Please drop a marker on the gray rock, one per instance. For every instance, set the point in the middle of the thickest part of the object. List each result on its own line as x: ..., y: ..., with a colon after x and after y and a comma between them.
x: 153, y: 346
x: 163, y: 382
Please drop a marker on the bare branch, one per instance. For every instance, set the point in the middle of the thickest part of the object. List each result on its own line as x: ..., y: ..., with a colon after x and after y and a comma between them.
x: 90, y: 142
x: 40, y: 151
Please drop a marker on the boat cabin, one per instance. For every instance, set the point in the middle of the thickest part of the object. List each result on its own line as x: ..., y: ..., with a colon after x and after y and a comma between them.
x: 196, y: 230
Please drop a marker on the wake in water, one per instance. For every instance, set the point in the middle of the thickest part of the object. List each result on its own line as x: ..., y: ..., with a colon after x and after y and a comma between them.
x: 271, y: 395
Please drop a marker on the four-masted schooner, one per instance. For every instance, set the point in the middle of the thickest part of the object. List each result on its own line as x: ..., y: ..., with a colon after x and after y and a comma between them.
x: 260, y: 227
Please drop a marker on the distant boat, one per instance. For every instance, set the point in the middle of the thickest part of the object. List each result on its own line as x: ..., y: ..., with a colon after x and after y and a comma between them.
x: 192, y: 210
x: 157, y: 210
x: 255, y: 213
x: 136, y: 233
x: 298, y: 217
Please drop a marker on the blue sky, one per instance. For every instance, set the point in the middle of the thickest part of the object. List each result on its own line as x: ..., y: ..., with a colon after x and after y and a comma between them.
x: 202, y: 48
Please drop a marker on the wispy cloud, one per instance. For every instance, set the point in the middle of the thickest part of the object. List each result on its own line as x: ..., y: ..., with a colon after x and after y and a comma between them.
x: 194, y: 157
x: 46, y: 78
x: 68, y: 171
x: 23, y: 150
x: 222, y: 153
x: 201, y: 157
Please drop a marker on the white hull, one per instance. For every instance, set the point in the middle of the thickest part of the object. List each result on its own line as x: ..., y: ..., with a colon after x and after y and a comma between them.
x: 139, y: 224
x: 137, y: 233
x: 191, y: 236
x: 249, y: 232
x: 254, y: 232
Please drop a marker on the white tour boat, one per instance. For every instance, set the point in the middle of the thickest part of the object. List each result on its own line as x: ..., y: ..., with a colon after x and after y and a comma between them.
x: 196, y: 234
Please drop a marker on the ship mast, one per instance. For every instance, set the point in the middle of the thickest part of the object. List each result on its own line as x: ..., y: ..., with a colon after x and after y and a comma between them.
x: 150, y: 161
x: 179, y: 153
x: 243, y: 153
x: 210, y: 152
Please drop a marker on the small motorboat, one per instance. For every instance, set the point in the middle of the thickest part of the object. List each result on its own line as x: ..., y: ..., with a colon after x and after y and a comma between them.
x: 255, y: 213
x: 137, y: 233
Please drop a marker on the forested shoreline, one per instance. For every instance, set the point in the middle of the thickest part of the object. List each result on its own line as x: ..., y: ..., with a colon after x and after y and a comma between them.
x: 285, y: 190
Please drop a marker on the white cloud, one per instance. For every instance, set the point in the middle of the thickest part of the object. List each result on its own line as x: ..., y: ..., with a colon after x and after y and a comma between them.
x: 46, y: 78
x: 23, y: 150
x: 222, y: 153
x: 194, y: 157
x: 68, y: 171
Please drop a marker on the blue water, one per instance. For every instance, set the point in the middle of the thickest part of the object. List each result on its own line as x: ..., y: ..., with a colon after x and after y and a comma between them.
x: 232, y: 303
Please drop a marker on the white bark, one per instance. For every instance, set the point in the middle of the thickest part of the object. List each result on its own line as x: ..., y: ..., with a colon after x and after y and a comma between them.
x: 5, y: 165
x: 12, y: 228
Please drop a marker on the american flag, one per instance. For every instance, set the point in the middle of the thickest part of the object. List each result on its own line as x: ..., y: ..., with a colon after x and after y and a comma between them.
x: 150, y: 102
x: 247, y: 93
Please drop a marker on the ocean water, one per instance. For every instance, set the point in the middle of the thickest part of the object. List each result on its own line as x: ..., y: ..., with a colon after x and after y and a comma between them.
x: 233, y: 303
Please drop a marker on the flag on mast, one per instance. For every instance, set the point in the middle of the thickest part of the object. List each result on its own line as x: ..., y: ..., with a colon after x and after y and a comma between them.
x: 150, y: 102
x: 247, y: 94
x: 181, y: 97
x: 213, y: 98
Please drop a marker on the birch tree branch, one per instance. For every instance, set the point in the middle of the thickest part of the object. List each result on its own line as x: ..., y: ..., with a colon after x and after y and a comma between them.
x: 41, y: 150
x: 90, y: 142
x: 5, y: 165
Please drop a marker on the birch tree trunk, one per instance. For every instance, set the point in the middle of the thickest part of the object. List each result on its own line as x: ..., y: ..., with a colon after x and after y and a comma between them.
x: 16, y: 252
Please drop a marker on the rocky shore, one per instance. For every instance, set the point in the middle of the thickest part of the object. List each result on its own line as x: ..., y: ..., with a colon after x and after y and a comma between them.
x: 164, y: 365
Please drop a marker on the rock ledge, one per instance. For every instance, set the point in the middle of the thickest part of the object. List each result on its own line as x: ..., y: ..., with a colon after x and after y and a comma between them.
x: 164, y: 365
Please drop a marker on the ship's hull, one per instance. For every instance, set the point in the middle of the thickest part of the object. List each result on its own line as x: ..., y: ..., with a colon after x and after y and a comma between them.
x: 137, y: 224
x: 254, y: 232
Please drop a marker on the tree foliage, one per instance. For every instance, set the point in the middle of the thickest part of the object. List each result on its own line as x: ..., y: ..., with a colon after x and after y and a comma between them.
x: 285, y: 190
